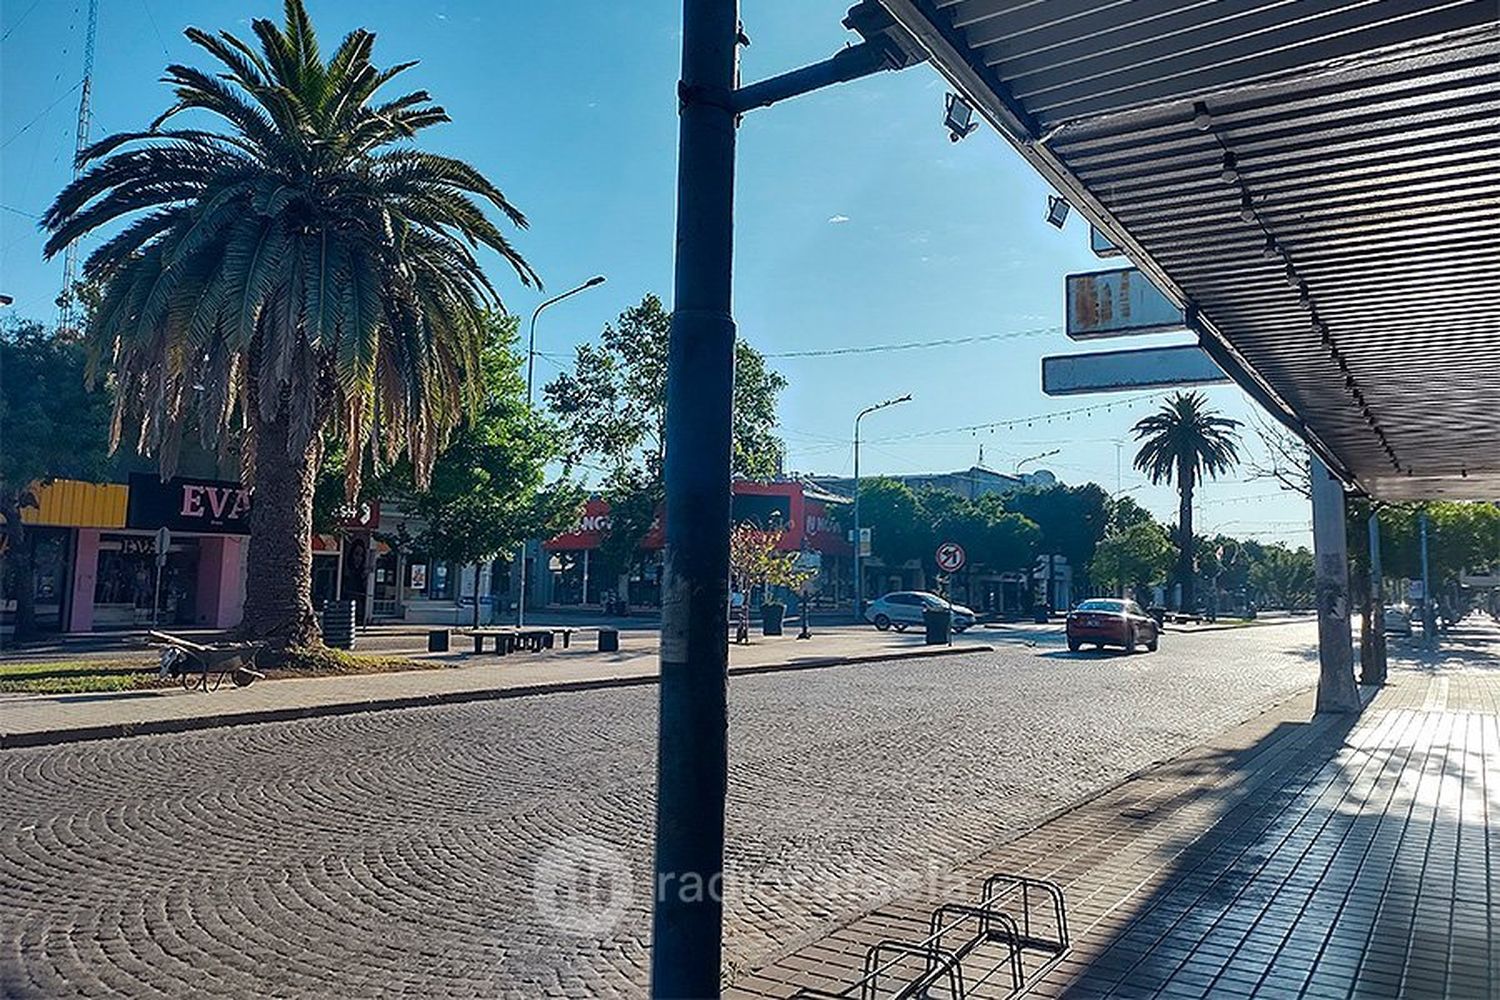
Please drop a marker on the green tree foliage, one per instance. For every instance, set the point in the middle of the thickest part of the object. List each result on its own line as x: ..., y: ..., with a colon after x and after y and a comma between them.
x: 635, y: 502
x: 1460, y: 537
x: 50, y: 427
x: 1138, y: 555
x: 613, y: 404
x: 613, y: 409
x: 301, y: 264
x: 487, y: 493
x: 889, y: 508
x: 908, y: 525
x: 1185, y: 441
x: 1072, y: 519
x: 1283, y: 577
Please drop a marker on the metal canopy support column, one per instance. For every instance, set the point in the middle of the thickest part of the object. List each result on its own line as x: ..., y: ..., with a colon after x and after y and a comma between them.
x: 692, y: 750
x: 1373, y: 656
x: 1336, y: 689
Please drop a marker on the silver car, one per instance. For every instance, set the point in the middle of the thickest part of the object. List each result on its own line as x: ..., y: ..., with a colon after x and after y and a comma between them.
x: 904, y: 608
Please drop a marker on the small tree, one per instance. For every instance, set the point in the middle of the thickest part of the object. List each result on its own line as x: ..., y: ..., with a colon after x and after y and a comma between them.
x: 755, y: 557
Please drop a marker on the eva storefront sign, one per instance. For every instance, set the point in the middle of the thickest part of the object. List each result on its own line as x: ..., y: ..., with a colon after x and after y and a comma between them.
x: 206, y: 506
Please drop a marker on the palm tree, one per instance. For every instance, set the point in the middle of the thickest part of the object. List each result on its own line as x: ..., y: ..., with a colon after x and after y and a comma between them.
x: 1185, y: 440
x: 300, y: 275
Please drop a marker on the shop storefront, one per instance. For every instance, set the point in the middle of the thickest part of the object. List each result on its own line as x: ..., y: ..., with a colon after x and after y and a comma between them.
x: 576, y: 576
x: 96, y: 556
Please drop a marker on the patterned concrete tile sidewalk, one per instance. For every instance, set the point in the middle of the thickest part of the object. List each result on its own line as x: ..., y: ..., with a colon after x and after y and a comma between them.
x: 1292, y: 857
x: 28, y: 720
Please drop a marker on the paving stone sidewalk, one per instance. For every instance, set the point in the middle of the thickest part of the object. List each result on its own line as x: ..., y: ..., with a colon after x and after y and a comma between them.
x: 35, y: 720
x: 1294, y: 856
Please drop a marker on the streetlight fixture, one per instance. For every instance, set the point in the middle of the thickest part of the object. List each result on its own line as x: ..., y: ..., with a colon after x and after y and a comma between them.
x: 859, y: 577
x: 597, y: 279
x: 1036, y: 458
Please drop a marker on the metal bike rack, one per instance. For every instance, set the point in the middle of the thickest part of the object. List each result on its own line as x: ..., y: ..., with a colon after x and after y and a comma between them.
x: 959, y: 954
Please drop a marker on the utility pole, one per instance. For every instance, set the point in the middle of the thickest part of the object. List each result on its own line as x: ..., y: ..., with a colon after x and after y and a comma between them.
x: 1336, y: 688
x: 859, y: 576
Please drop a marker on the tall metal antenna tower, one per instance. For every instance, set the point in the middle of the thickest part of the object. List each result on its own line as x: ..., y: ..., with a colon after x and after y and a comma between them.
x: 67, y: 307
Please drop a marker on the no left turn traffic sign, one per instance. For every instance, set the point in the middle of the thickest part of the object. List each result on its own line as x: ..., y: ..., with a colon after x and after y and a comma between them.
x: 950, y: 557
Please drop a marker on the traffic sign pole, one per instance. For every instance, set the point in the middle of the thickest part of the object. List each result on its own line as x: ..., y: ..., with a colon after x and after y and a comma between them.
x: 950, y: 558
x: 163, y: 543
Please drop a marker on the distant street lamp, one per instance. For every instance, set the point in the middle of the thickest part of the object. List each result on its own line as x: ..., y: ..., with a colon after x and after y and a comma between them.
x: 1036, y: 458
x: 597, y: 279
x: 859, y: 579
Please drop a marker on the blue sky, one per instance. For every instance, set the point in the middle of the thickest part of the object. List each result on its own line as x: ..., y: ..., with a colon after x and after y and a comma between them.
x: 858, y: 222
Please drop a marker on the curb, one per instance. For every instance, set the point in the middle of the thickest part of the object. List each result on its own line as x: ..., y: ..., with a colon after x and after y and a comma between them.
x: 120, y: 730
x: 1235, y: 628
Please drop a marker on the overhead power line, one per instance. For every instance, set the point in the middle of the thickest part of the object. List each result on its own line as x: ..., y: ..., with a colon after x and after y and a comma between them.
x: 42, y: 114
x: 914, y: 345
x: 1028, y: 421
x: 17, y: 22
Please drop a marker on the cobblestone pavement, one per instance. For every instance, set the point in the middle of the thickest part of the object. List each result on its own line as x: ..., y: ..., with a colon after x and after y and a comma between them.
x: 410, y: 853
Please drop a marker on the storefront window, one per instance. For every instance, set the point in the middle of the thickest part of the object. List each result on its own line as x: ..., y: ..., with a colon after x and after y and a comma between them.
x: 427, y: 580
x: 125, y: 589
x: 50, y: 556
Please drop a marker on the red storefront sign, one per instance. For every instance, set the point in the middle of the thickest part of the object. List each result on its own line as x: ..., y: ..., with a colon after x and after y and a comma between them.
x: 806, y: 523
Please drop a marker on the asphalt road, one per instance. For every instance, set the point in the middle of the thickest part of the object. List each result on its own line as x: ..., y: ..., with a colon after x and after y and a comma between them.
x: 503, y: 848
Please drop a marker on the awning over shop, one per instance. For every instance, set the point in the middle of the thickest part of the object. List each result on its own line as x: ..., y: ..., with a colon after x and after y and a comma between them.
x: 1317, y: 182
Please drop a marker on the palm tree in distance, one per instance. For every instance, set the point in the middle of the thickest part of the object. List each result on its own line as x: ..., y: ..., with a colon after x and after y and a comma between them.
x: 298, y: 274
x: 1185, y: 440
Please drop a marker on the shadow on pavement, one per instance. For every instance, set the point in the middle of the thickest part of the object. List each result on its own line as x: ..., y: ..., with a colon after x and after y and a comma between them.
x: 1320, y: 860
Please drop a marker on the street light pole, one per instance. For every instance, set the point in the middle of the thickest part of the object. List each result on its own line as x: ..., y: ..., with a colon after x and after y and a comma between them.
x: 692, y: 760
x: 597, y: 279
x: 859, y: 577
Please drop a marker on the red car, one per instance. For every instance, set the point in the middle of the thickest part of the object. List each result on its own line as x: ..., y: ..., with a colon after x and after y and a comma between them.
x: 1109, y: 622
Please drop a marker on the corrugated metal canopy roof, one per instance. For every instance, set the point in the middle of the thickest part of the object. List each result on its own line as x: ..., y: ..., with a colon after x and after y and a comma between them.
x: 1318, y: 181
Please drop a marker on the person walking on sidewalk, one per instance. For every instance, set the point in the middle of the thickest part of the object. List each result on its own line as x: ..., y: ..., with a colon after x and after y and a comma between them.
x: 739, y: 611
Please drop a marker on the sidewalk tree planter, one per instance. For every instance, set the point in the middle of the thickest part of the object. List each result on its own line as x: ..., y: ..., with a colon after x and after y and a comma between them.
x: 756, y: 559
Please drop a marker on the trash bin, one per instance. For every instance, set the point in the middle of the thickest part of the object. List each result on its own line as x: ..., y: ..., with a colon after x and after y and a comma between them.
x: 437, y: 640
x: 1039, y: 614
x: 939, y: 622
x: 1159, y: 615
x: 609, y: 640
x: 770, y: 618
x: 338, y: 624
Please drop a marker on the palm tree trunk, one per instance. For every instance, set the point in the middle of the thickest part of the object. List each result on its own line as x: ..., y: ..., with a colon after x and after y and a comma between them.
x: 278, y: 575
x: 1185, y: 486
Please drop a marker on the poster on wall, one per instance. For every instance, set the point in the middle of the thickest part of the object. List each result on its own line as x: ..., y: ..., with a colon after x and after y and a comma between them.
x: 418, y: 576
